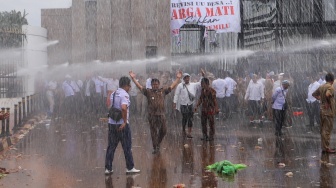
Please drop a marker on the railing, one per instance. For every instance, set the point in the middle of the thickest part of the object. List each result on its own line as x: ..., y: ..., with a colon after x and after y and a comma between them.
x: 25, y: 109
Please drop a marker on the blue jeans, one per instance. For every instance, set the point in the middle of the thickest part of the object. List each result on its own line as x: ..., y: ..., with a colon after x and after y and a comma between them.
x: 114, y: 137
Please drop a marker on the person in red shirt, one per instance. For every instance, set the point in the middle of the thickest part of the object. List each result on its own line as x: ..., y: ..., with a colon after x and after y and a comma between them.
x: 4, y: 115
x: 209, y: 109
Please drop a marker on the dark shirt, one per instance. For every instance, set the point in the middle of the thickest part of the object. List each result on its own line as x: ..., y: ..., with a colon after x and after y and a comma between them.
x: 156, y: 100
x: 208, y: 101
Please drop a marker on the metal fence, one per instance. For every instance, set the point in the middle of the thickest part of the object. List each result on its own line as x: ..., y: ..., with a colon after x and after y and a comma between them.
x: 11, y: 85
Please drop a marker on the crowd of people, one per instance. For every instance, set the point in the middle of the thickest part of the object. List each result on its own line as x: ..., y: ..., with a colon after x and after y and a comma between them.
x: 160, y: 95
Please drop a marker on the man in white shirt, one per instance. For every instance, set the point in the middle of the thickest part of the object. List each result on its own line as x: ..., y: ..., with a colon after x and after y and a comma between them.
x: 120, y: 130
x: 254, y: 96
x: 50, y: 94
x: 321, y: 80
x: 229, y: 95
x: 185, y: 96
x: 98, y: 95
x: 220, y: 85
x: 313, y: 105
x: 111, y: 86
x: 89, y: 89
x: 69, y: 94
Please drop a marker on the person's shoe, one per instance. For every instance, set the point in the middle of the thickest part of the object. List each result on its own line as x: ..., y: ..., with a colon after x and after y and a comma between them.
x: 133, y: 170
x: 189, y: 136
x: 329, y: 151
x: 108, y: 172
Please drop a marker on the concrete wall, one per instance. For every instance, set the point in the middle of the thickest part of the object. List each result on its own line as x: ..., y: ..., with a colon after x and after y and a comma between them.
x: 124, y: 29
x: 58, y: 30
x: 103, y: 30
x: 78, y: 32
x: 35, y: 53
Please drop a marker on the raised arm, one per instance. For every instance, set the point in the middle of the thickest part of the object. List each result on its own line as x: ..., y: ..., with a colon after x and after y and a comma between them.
x: 177, y: 80
x: 132, y: 75
x: 202, y: 72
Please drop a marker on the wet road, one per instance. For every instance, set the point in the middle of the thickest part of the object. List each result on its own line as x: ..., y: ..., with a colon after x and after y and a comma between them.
x: 72, y: 154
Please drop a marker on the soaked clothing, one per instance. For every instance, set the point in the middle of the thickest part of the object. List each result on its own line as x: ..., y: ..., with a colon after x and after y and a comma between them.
x: 158, y: 129
x: 327, y: 109
x: 208, y: 101
x: 278, y: 99
x: 209, y: 109
x: 115, y: 135
x: 156, y: 111
x: 156, y: 100
x: 326, y: 129
x: 327, y: 104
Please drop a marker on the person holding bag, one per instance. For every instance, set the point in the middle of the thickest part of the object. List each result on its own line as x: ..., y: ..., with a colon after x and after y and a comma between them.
x: 119, y: 129
x: 184, y: 95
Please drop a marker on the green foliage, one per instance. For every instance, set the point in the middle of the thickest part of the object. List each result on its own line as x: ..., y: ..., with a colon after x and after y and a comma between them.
x: 11, y: 28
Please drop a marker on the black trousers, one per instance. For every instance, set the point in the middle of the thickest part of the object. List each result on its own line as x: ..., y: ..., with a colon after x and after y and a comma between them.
x: 279, y: 117
x: 187, y: 115
x: 313, y: 110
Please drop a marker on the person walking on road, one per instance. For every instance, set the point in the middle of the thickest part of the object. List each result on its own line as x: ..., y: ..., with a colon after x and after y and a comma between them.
x: 254, y: 96
x: 325, y: 93
x: 120, y: 130
x: 209, y: 109
x: 279, y: 106
x: 185, y: 96
x: 156, y: 107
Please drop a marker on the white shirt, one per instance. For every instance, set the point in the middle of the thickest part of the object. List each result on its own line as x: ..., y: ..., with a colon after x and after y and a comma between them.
x: 80, y: 83
x: 219, y: 85
x: 98, y: 84
x: 276, y: 84
x: 260, y: 80
x: 68, y: 90
x: 321, y: 81
x: 148, y: 83
x: 74, y: 86
x: 87, y: 88
x: 52, y: 85
x: 255, y: 91
x: 112, y: 84
x: 121, y: 97
x: 231, y: 85
x: 311, y: 88
x: 181, y: 96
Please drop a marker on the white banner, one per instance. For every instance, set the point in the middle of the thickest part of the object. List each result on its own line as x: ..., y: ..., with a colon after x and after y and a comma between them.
x: 219, y: 15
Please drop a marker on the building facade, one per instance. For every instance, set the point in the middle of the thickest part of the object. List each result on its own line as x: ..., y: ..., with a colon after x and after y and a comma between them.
x: 108, y: 31
x: 111, y: 30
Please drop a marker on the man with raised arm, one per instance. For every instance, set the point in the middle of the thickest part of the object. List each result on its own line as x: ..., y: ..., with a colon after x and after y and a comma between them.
x: 156, y: 107
x: 185, y: 96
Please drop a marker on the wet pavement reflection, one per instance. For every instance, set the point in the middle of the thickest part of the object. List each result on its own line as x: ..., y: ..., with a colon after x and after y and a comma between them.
x: 64, y: 153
